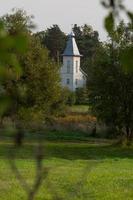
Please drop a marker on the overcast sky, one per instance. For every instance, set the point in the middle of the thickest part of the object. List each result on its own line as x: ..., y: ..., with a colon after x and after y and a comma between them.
x: 62, y: 12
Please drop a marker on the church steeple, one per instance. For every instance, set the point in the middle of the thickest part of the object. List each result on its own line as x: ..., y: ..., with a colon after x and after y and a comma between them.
x: 71, y: 74
x: 71, y: 47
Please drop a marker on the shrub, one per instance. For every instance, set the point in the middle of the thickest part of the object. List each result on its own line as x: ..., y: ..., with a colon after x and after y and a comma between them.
x: 68, y: 96
x: 81, y: 96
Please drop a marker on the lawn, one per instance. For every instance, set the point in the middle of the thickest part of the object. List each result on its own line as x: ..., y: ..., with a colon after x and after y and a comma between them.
x: 77, y: 171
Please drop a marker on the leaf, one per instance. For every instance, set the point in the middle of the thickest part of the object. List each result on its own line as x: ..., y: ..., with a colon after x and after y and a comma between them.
x: 109, y: 23
x: 105, y: 4
x: 112, y: 3
x: 121, y: 6
x: 130, y: 15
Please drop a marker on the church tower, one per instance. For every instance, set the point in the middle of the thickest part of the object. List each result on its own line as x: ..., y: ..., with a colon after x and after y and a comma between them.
x: 71, y: 74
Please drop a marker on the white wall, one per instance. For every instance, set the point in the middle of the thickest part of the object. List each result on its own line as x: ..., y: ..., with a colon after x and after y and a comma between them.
x: 73, y: 75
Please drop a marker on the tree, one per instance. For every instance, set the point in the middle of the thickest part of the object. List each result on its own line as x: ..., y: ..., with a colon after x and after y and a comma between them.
x: 42, y: 74
x: 81, y: 96
x: 111, y: 88
x: 18, y: 22
x: 54, y: 40
x: 39, y: 85
x: 87, y: 40
x: 13, y: 44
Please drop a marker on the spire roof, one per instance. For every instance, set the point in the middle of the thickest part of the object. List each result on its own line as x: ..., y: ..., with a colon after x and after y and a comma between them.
x: 71, y: 47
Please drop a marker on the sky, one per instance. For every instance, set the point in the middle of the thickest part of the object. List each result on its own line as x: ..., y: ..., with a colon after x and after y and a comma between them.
x: 62, y: 12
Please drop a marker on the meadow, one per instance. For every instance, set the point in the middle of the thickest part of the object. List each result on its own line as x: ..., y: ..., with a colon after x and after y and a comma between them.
x: 78, y: 171
x: 76, y: 165
x: 79, y: 108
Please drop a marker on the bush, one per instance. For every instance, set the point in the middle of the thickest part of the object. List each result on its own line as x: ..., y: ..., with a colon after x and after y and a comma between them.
x: 81, y: 96
x: 68, y: 96
x: 71, y: 98
x: 31, y: 118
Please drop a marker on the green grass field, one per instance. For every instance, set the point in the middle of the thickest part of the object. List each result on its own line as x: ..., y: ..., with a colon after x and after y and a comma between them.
x: 77, y: 171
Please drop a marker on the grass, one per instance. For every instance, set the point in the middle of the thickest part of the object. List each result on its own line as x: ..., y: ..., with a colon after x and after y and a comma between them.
x: 79, y: 108
x: 78, y: 171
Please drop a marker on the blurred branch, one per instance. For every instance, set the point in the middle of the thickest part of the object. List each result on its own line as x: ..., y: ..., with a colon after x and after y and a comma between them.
x: 16, y: 171
x: 40, y: 173
x: 115, y: 7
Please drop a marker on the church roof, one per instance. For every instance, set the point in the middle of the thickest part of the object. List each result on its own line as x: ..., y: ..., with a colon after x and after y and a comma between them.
x: 71, y: 47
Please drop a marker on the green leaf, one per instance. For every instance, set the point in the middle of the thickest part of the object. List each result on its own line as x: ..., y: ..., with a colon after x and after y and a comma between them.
x: 109, y: 23
x: 130, y: 15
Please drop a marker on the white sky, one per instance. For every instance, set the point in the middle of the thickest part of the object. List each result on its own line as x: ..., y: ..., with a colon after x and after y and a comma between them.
x: 62, y: 12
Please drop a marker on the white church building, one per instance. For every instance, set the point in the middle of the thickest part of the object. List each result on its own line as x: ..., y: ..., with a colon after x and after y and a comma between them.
x: 71, y: 74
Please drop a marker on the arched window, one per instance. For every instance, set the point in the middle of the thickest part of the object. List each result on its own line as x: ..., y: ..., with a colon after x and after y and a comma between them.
x: 68, y: 66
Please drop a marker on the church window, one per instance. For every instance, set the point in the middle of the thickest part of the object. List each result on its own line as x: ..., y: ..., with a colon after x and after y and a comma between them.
x: 68, y: 81
x: 76, y: 66
x: 68, y: 66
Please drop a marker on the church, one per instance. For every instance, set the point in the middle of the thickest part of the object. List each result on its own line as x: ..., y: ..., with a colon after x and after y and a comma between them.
x: 72, y: 75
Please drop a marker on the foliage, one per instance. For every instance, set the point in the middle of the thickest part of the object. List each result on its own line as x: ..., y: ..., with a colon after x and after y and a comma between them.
x: 71, y: 98
x: 81, y: 96
x: 40, y: 76
x: 54, y: 40
x: 68, y: 96
x: 14, y: 30
x: 10, y: 69
x: 115, y: 8
x: 39, y: 71
x: 111, y: 88
x: 79, y: 109
x: 87, y: 40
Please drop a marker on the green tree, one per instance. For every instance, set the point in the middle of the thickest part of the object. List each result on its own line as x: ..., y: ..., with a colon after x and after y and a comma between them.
x: 39, y: 86
x: 87, y: 40
x: 111, y: 88
x: 54, y: 40
x: 81, y: 96
x: 41, y: 77
x: 13, y: 44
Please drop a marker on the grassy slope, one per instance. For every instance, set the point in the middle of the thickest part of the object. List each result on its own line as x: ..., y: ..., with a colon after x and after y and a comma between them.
x: 76, y: 172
